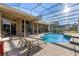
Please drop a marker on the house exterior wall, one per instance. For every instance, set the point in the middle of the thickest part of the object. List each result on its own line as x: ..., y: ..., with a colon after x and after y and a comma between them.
x: 38, y: 27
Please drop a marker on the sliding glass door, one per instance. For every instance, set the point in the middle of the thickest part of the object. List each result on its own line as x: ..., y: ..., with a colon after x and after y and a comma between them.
x: 8, y: 28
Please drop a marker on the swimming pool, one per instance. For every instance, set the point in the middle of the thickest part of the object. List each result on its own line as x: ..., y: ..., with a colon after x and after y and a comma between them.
x: 55, y: 38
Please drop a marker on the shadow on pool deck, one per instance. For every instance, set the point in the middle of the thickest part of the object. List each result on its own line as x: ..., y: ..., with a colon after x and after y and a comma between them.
x: 71, y: 49
x: 15, y: 51
x: 11, y: 44
x: 75, y: 43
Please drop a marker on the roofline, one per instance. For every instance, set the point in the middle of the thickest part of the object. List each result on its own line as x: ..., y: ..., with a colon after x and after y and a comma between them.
x: 17, y: 12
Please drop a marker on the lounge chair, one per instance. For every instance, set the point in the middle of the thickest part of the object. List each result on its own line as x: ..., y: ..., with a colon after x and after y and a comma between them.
x: 26, y: 44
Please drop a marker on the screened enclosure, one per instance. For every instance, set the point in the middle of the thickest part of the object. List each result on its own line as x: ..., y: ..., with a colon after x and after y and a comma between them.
x: 66, y: 14
x: 30, y: 22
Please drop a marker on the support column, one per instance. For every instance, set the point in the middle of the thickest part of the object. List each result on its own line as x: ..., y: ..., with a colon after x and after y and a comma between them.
x: 33, y: 28
x: 37, y: 26
x: 19, y: 28
x: 10, y: 26
x: 42, y: 28
x: 49, y: 28
x: 46, y: 28
x: 78, y: 25
x: 0, y: 26
x: 24, y: 28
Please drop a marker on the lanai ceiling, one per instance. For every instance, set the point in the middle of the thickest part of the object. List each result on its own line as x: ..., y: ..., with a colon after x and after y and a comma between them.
x: 63, y: 13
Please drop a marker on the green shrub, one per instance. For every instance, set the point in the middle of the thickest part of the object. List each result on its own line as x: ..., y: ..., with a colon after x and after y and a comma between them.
x: 57, y: 30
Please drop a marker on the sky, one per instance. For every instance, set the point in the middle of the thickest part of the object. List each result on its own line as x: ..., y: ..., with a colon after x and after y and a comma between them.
x: 65, y: 13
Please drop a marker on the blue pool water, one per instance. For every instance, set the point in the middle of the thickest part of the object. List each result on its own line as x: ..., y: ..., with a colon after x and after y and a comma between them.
x: 55, y: 38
